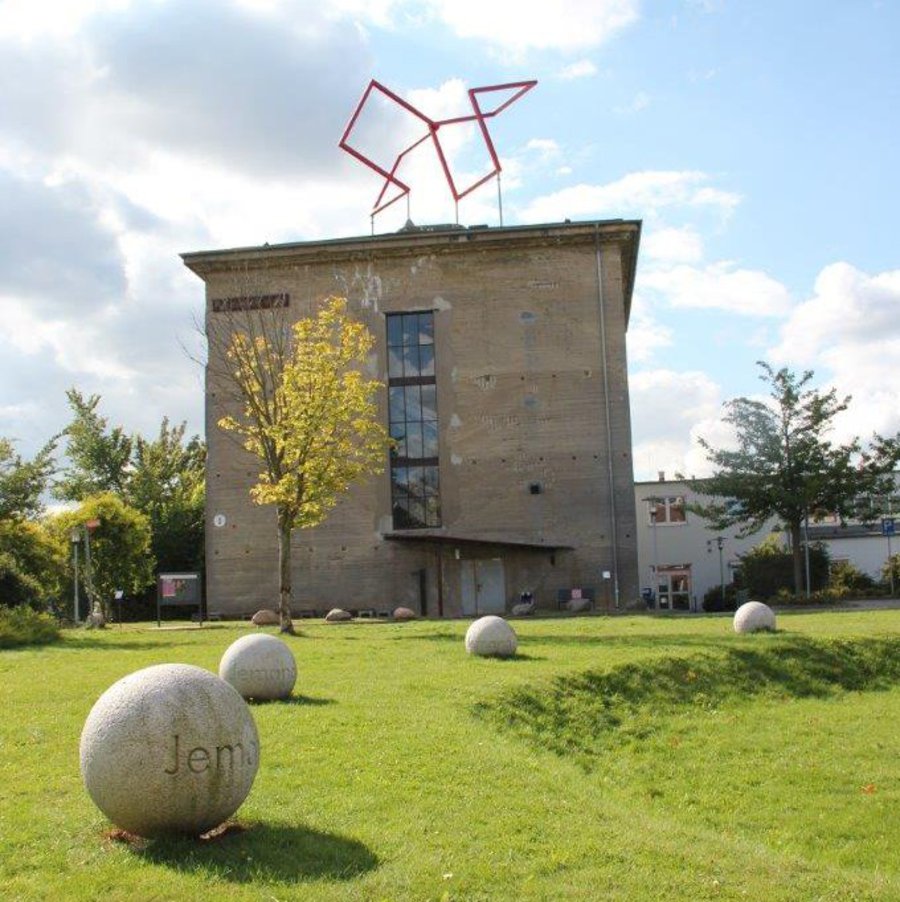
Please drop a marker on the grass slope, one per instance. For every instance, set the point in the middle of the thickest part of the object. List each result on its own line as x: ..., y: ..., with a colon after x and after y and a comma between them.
x: 613, y: 759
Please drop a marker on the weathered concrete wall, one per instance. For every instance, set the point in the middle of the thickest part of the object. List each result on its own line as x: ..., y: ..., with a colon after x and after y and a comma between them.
x: 520, y: 321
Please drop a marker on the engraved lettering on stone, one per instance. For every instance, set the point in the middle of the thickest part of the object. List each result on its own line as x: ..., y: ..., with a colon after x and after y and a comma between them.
x: 199, y: 759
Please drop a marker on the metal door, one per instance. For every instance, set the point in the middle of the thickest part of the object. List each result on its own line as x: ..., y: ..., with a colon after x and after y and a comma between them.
x: 483, y: 587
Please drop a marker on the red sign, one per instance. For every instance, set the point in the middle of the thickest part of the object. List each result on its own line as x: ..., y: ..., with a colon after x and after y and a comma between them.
x: 92, y: 524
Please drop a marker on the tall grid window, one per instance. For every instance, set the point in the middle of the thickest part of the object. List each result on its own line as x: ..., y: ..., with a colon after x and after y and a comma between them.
x: 412, y: 392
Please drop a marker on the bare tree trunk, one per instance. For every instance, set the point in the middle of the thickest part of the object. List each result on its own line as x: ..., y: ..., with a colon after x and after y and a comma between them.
x: 285, y: 524
x: 797, y: 554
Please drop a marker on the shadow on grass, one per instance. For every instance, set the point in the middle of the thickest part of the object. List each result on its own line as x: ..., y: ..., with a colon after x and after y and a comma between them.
x: 642, y: 640
x: 583, y: 713
x: 262, y: 852
x: 300, y: 700
x: 518, y: 658
x: 443, y: 636
x: 115, y: 645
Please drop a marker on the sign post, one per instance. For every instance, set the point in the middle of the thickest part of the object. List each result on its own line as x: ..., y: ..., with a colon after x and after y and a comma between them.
x: 75, y: 538
x: 176, y: 590
x: 887, y: 530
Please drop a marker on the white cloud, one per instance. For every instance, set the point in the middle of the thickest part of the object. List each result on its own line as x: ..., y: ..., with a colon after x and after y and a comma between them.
x: 27, y: 20
x: 720, y: 286
x: 579, y: 69
x: 640, y: 102
x: 669, y: 410
x: 546, y: 147
x: 645, y: 336
x: 848, y: 308
x: 75, y: 345
x: 639, y: 193
x: 568, y: 25
x: 849, y: 332
x: 508, y: 25
x: 672, y: 245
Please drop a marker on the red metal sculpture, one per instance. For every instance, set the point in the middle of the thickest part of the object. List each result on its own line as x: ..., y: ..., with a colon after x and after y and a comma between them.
x: 518, y: 88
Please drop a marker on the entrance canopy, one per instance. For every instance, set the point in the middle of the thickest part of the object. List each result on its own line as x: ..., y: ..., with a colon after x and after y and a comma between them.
x: 442, y: 538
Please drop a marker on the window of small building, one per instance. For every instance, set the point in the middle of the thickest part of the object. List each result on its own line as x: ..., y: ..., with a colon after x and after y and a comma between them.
x: 670, y: 510
x: 413, y: 421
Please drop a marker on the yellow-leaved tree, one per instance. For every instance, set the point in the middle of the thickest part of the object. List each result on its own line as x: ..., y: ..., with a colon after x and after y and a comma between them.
x: 308, y: 414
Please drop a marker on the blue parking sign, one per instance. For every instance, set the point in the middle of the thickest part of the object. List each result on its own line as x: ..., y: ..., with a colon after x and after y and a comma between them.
x: 887, y: 526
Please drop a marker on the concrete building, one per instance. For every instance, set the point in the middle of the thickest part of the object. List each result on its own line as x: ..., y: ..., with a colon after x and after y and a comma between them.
x: 503, y: 355
x: 680, y: 558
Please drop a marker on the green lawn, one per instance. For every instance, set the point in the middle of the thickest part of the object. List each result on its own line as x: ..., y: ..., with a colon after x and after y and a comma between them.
x: 614, y: 758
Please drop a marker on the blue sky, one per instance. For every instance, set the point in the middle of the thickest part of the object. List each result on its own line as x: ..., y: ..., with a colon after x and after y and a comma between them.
x: 758, y: 142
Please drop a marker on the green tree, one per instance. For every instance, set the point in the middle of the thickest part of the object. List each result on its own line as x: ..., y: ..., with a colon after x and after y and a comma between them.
x: 166, y: 483
x: 31, y: 564
x: 119, y: 546
x: 22, y: 482
x: 784, y: 465
x: 162, y: 477
x: 99, y: 457
x: 305, y: 410
x: 29, y: 569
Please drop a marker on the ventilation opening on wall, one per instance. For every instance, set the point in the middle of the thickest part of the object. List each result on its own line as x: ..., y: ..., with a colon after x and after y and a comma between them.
x: 535, y: 488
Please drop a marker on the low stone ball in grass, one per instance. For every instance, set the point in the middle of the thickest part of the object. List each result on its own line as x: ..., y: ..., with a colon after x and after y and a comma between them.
x: 491, y: 636
x: 265, y: 617
x: 402, y: 614
x: 338, y: 615
x: 753, y: 617
x: 259, y: 666
x: 169, y: 749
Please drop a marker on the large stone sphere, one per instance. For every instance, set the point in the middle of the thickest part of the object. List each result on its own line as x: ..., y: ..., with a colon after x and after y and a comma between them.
x: 169, y: 749
x: 259, y: 666
x: 491, y: 636
x: 265, y: 617
x: 753, y: 616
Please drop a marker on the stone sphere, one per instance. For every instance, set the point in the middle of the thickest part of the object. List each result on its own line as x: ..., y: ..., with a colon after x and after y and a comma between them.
x: 169, y: 749
x: 491, y: 636
x: 753, y: 616
x: 338, y: 615
x: 402, y: 613
x: 265, y: 617
x: 259, y: 666
x: 578, y: 605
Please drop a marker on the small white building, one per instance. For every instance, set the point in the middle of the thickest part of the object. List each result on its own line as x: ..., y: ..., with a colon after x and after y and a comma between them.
x: 680, y: 558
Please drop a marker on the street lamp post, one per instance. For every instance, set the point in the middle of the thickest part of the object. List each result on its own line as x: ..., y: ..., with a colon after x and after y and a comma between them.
x: 720, y: 544
x: 887, y: 526
x: 654, y: 501
x: 75, y: 538
x: 806, y: 549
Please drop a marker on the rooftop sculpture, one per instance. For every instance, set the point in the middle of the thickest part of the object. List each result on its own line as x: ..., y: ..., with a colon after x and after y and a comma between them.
x: 512, y: 91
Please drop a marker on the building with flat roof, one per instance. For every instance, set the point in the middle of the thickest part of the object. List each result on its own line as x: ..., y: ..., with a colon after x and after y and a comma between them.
x: 681, y: 557
x: 503, y: 355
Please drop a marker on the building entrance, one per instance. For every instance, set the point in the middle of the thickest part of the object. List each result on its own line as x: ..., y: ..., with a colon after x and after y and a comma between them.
x: 673, y: 589
x: 483, y: 587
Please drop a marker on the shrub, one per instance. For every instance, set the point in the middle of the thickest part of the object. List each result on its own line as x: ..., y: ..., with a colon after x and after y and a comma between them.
x: 23, y: 626
x: 768, y: 570
x: 30, y: 566
x: 846, y: 579
x: 713, y: 600
x: 892, y: 566
x: 16, y: 586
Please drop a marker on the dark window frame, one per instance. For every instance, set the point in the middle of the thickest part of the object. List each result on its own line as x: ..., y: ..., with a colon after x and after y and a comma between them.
x: 413, y: 420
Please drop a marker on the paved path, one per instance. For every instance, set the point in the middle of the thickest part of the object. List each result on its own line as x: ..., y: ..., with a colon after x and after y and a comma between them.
x: 861, y: 604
